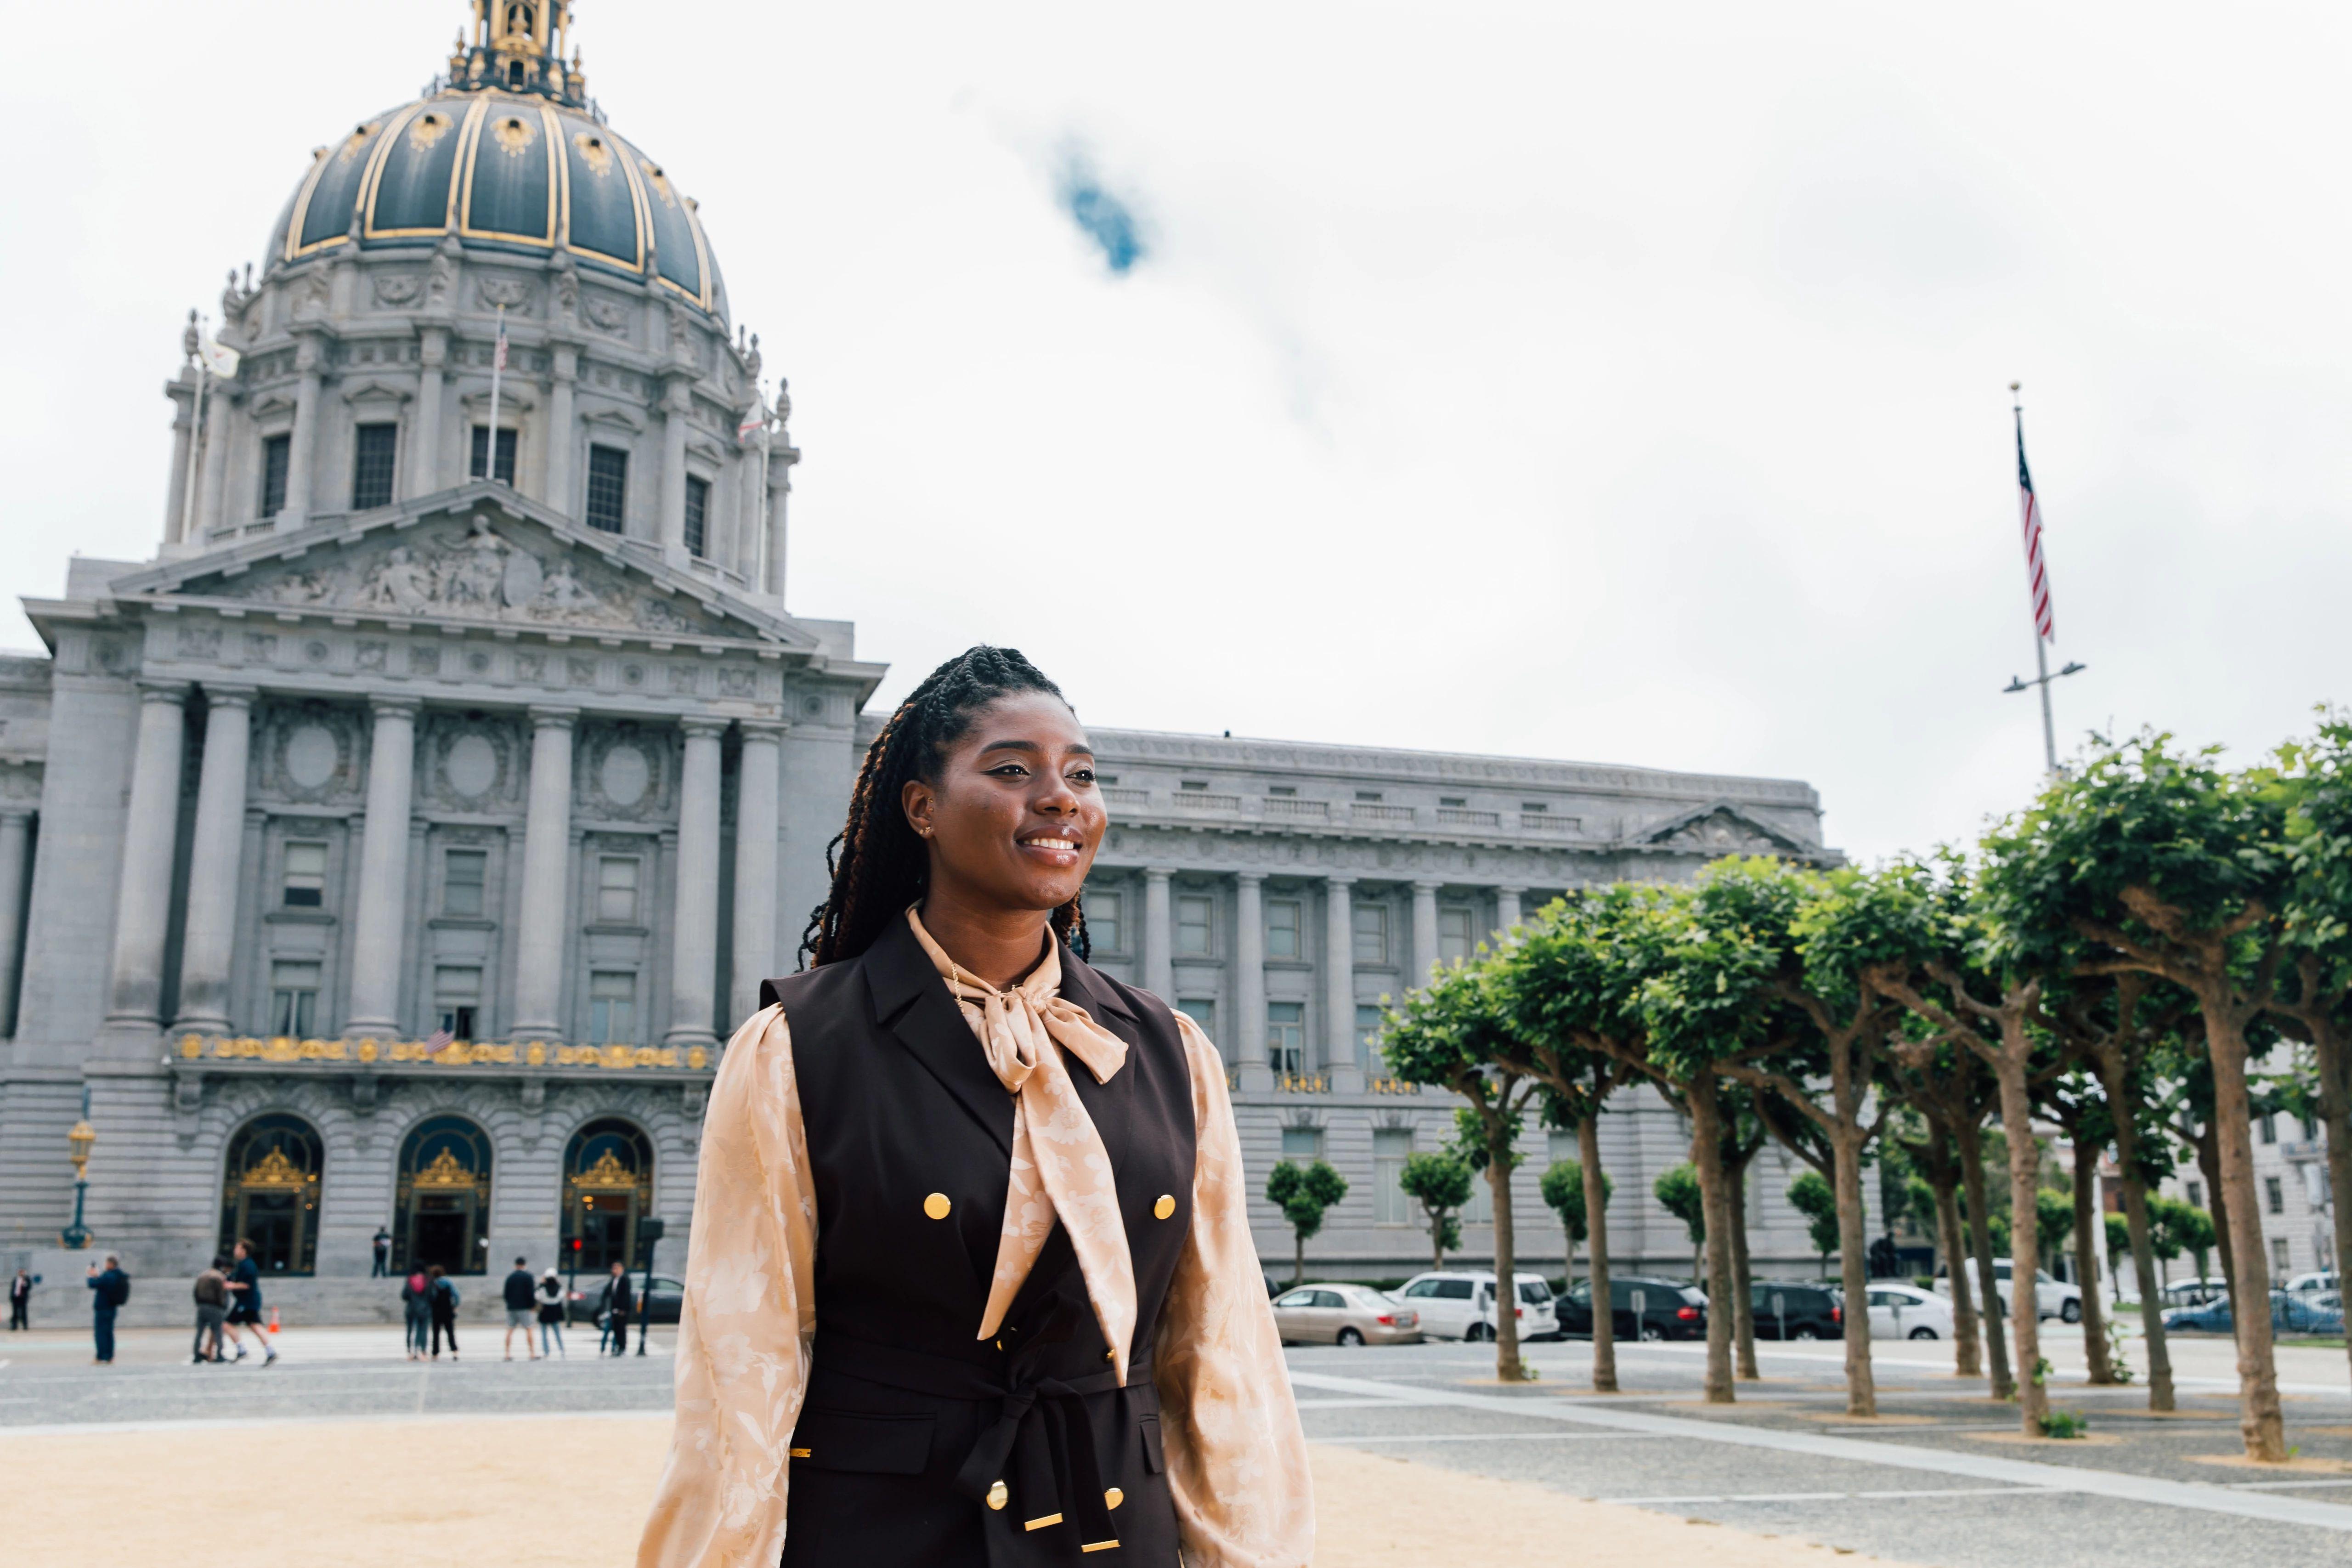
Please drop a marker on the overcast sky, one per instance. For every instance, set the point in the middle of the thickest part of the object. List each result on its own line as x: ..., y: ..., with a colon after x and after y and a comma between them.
x: 1614, y: 383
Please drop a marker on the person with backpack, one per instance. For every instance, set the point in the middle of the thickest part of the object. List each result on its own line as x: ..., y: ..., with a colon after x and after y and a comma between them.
x: 212, y: 1310
x: 417, y: 1309
x: 109, y: 1293
x: 444, y: 1298
x: 551, y: 1313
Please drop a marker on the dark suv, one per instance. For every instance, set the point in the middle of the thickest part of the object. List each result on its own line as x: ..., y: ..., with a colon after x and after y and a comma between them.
x: 1803, y: 1312
x: 1666, y: 1309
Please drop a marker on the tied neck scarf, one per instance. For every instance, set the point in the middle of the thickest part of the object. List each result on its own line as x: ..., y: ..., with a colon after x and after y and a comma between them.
x: 1059, y: 1164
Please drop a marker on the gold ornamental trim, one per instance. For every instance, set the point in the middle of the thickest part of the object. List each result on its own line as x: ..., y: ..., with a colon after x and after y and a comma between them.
x: 455, y: 1054
x: 606, y: 1175
x: 274, y: 1172
x: 444, y: 1171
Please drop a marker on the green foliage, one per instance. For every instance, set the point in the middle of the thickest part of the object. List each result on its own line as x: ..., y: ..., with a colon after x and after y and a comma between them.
x: 1677, y: 1188
x: 1472, y: 1144
x: 2064, y: 1424
x: 2118, y: 1342
x: 2175, y: 1228
x: 1440, y: 1183
x: 1564, y: 1193
x: 1813, y: 1197
x: 2053, y: 1220
x: 2118, y: 1240
x: 1304, y: 1194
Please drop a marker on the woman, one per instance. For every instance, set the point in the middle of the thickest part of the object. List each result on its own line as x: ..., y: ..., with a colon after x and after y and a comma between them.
x: 441, y: 1293
x: 417, y: 1310
x: 970, y: 1278
x: 551, y: 1313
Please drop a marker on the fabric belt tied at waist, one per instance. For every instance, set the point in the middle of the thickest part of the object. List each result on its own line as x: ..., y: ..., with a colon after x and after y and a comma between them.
x: 1044, y: 1437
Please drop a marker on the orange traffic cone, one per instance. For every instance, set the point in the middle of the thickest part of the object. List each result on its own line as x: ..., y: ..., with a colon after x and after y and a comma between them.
x: 273, y: 1322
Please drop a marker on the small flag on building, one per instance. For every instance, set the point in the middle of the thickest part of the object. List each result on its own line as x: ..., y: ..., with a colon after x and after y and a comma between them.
x: 438, y: 1041
x: 2037, y: 570
x: 755, y: 419
x: 498, y: 361
x: 220, y: 360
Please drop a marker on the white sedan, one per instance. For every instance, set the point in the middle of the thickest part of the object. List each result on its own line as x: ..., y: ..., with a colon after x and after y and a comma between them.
x: 1906, y: 1312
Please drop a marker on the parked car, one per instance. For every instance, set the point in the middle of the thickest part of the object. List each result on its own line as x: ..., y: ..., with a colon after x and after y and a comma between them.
x: 1802, y: 1311
x: 2194, y: 1292
x: 2055, y: 1298
x: 1907, y: 1313
x: 585, y: 1304
x: 2310, y: 1312
x: 1641, y: 1308
x: 1335, y: 1314
x: 1459, y: 1304
x: 2305, y: 1284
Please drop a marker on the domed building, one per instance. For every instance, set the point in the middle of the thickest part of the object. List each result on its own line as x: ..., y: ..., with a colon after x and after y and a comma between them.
x: 395, y: 848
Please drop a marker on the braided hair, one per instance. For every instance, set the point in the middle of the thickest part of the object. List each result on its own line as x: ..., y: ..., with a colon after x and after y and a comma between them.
x: 878, y: 863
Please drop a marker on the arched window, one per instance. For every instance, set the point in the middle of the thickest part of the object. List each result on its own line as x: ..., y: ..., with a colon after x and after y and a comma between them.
x: 269, y: 1192
x: 608, y: 1186
x: 441, y: 1206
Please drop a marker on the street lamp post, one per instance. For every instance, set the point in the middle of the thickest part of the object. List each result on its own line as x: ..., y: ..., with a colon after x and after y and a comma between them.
x: 649, y: 1231
x: 78, y: 1139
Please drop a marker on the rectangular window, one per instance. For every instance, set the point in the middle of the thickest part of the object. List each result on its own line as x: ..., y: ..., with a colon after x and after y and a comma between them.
x: 1368, y: 1036
x: 2310, y: 1131
x: 1285, y: 1035
x: 1202, y: 1011
x: 1105, y: 920
x: 373, y: 450
x: 1370, y: 922
x: 462, y: 874
x: 1195, y: 784
x: 1282, y: 921
x: 276, y: 451
x: 1283, y: 791
x: 616, y: 889
x: 1453, y: 939
x: 1195, y: 928
x: 1534, y: 806
x: 2269, y: 1125
x: 2197, y: 1195
x: 1368, y: 796
x: 306, y: 876
x: 697, y: 516
x: 2273, y: 1194
x: 1560, y: 1144
x: 1302, y: 1143
x: 293, y: 999
x: 1391, y: 1147
x: 458, y: 998
x: 608, y: 488
x: 611, y: 1007
x: 478, y: 465
x: 2281, y: 1259
x: 1480, y: 1209
x: 1454, y: 800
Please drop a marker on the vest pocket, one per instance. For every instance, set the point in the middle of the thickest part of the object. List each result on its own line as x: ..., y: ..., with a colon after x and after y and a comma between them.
x: 877, y: 1445
x: 1154, y: 1460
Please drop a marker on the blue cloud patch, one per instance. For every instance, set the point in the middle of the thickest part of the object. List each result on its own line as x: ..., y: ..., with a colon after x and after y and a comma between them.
x: 1101, y: 215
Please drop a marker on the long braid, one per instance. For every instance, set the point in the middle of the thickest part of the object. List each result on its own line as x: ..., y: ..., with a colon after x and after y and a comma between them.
x: 877, y: 862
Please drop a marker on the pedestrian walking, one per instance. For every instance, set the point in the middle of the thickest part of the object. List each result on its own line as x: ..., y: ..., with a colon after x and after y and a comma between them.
x: 244, y: 1302
x: 551, y: 1313
x: 212, y: 1310
x: 20, y: 1298
x: 442, y: 1295
x: 109, y: 1293
x: 522, y: 1297
x: 416, y: 1311
x: 620, y: 1300
x: 382, y: 1253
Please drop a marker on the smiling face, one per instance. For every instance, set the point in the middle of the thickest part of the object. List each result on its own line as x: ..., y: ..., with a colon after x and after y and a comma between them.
x: 1014, y: 819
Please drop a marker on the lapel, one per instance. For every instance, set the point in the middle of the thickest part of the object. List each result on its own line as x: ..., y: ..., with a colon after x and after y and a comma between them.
x: 1109, y: 1105
x: 912, y: 1002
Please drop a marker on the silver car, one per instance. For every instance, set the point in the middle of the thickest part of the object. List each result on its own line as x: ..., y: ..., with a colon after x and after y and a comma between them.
x: 1333, y: 1315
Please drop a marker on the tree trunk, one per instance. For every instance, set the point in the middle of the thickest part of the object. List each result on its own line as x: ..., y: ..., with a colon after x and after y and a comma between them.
x: 2260, y: 1418
x: 1298, y: 1258
x: 1706, y: 1154
x: 1980, y: 1224
x: 1436, y: 1240
x: 2086, y: 1254
x: 1596, y: 1246
x: 2115, y: 1082
x: 2217, y: 1205
x: 1743, y: 1293
x: 2024, y: 1228
x: 2335, y: 1114
x: 1506, y: 1284
x: 1861, y: 1389
x: 1968, y: 1354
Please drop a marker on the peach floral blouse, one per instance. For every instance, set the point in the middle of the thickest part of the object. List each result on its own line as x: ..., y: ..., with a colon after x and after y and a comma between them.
x: 1236, y: 1457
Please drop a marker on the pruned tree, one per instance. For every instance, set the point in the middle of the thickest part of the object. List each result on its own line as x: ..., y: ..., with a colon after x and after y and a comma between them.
x: 1676, y: 1190
x: 1440, y: 1183
x: 1943, y: 1085
x: 1564, y: 1193
x: 1810, y: 1195
x: 2076, y: 1105
x: 1303, y: 1194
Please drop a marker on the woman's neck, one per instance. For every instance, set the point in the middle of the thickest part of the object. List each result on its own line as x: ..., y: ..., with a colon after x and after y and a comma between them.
x: 1000, y: 945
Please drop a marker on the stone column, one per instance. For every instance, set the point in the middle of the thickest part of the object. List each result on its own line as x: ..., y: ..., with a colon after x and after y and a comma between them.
x: 302, y: 451
x: 546, y: 874
x: 1158, y: 946
x: 759, y: 777
x: 1424, y: 932
x: 151, y: 831
x: 212, y: 489
x: 379, y: 920
x: 424, y: 441
x: 694, y: 932
x: 207, y: 948
x: 559, y: 430
x: 780, y: 457
x: 16, y: 863
x: 677, y: 402
x: 1247, y: 1031
x: 1506, y: 908
x: 177, y: 500
x: 1338, y: 971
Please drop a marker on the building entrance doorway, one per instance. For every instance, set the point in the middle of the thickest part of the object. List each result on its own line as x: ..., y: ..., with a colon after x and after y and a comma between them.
x: 269, y: 1193
x: 442, y: 1203
x: 608, y: 1186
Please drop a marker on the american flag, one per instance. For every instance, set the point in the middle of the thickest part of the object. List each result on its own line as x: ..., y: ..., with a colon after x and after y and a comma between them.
x: 2037, y: 570
x: 754, y: 420
x: 498, y: 360
x: 438, y: 1041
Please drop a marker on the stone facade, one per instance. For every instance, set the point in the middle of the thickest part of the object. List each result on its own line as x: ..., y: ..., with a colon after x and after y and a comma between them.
x: 416, y: 823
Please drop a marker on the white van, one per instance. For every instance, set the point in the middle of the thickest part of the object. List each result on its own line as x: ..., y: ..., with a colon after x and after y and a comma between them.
x: 1459, y: 1304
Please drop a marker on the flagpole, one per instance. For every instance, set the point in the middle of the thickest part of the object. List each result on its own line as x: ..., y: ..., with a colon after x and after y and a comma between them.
x: 2041, y: 642
x: 2038, y: 585
x: 497, y: 366
x: 762, y: 584
x: 195, y: 445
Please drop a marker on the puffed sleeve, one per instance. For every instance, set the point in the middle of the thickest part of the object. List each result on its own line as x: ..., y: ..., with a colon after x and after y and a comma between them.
x: 1236, y: 1457
x: 743, y: 1338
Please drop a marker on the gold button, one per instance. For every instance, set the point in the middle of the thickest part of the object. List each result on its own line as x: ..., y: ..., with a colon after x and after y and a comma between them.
x: 1164, y: 1208
x: 1113, y: 1497
x: 936, y: 1205
x: 800, y: 1453
x: 997, y: 1494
